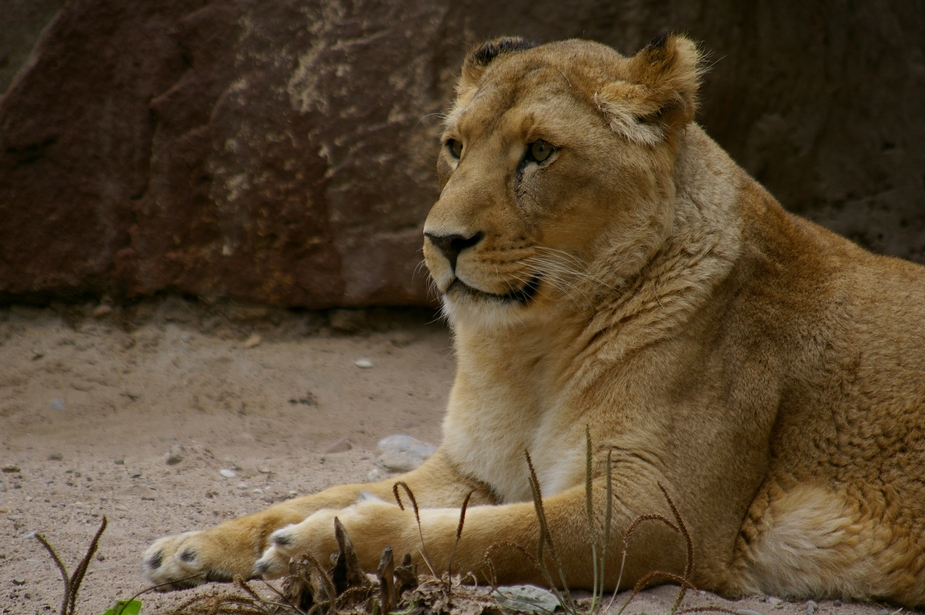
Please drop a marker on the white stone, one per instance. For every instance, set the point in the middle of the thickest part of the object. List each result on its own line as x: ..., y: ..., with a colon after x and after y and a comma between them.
x: 403, y: 453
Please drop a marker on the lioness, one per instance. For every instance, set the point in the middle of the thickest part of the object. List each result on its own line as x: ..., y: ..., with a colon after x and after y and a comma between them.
x: 606, y: 267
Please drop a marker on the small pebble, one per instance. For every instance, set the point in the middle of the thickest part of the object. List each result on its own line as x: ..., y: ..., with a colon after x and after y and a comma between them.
x: 883, y: 612
x: 57, y: 404
x: 19, y: 581
x: 374, y: 476
x: 175, y: 455
x: 119, y: 462
x: 55, y: 457
x: 264, y: 470
x: 811, y: 607
x: 227, y: 473
x: 774, y: 600
x: 747, y: 612
x: 11, y: 469
x: 252, y: 341
x: 363, y: 363
x: 836, y: 603
x: 242, y: 485
x: 121, y: 507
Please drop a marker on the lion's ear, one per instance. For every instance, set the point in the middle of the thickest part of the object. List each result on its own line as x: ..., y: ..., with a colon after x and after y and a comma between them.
x: 660, y: 90
x: 480, y: 57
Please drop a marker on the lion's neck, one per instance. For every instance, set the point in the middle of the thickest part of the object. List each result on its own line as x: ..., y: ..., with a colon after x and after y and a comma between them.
x: 697, y: 255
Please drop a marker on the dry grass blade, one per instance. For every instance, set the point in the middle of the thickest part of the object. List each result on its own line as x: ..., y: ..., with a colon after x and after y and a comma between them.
x: 537, y: 494
x: 596, y: 564
x: 78, y: 577
x: 61, y: 569
x: 562, y: 594
x: 493, y: 579
x: 407, y: 489
x: 689, y: 544
x: 665, y: 576
x: 417, y: 518
x: 639, y: 520
x: 682, y: 580
x: 72, y: 583
x: 589, y: 500
x: 689, y: 568
x: 647, y: 579
x: 459, y: 531
x: 608, y: 520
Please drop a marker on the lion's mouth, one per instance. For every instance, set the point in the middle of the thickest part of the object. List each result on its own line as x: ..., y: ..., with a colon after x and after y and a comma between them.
x: 522, y: 295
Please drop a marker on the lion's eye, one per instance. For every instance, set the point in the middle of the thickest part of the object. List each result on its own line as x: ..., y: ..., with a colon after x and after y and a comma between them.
x: 539, y: 151
x: 455, y: 148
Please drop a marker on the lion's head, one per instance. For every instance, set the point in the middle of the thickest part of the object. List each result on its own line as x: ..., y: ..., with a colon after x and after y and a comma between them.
x: 556, y: 174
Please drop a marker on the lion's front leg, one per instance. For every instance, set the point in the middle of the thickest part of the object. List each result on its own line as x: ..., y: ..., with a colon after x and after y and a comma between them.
x: 489, y: 533
x: 231, y: 548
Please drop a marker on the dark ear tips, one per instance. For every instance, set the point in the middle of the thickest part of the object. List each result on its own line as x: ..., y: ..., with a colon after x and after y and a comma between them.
x: 482, y: 55
x: 659, y: 41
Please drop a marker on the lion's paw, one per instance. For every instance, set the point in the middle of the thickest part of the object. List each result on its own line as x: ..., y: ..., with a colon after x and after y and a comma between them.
x: 274, y: 563
x: 314, y: 535
x: 182, y: 561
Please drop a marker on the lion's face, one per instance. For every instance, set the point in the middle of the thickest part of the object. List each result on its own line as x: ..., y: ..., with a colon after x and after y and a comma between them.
x: 556, y: 177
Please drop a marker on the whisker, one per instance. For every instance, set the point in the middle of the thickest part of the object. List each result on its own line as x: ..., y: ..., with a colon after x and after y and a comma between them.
x: 417, y: 269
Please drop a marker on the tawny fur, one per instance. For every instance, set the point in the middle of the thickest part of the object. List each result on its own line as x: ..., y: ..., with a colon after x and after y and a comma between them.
x: 638, y: 284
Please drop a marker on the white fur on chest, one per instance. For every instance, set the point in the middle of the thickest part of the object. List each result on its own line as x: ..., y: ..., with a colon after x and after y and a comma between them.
x: 487, y: 434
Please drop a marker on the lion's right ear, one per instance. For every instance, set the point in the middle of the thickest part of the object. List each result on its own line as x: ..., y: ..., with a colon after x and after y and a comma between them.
x: 659, y: 92
x: 480, y: 57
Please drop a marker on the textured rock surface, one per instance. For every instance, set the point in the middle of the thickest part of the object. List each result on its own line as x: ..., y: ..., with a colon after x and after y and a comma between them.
x: 23, y: 21
x: 282, y: 152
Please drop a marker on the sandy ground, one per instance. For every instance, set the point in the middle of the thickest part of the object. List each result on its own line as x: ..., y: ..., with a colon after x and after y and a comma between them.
x: 93, y: 402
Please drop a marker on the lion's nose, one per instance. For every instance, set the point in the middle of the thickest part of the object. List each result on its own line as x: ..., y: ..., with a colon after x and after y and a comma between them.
x: 452, y: 245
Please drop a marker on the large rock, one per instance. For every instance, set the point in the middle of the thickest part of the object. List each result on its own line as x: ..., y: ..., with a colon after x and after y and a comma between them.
x: 282, y: 151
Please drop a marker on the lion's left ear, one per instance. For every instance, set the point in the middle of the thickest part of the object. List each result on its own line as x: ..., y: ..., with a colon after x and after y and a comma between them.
x: 659, y: 93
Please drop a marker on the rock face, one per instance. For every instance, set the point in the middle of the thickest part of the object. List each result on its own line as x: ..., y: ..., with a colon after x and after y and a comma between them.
x: 282, y: 152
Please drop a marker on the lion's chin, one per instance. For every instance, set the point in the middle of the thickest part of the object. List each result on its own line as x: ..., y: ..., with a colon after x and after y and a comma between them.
x: 459, y: 290
x: 472, y: 308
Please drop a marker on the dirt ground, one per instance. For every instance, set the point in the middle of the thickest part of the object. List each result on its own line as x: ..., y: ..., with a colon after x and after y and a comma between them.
x: 138, y: 413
